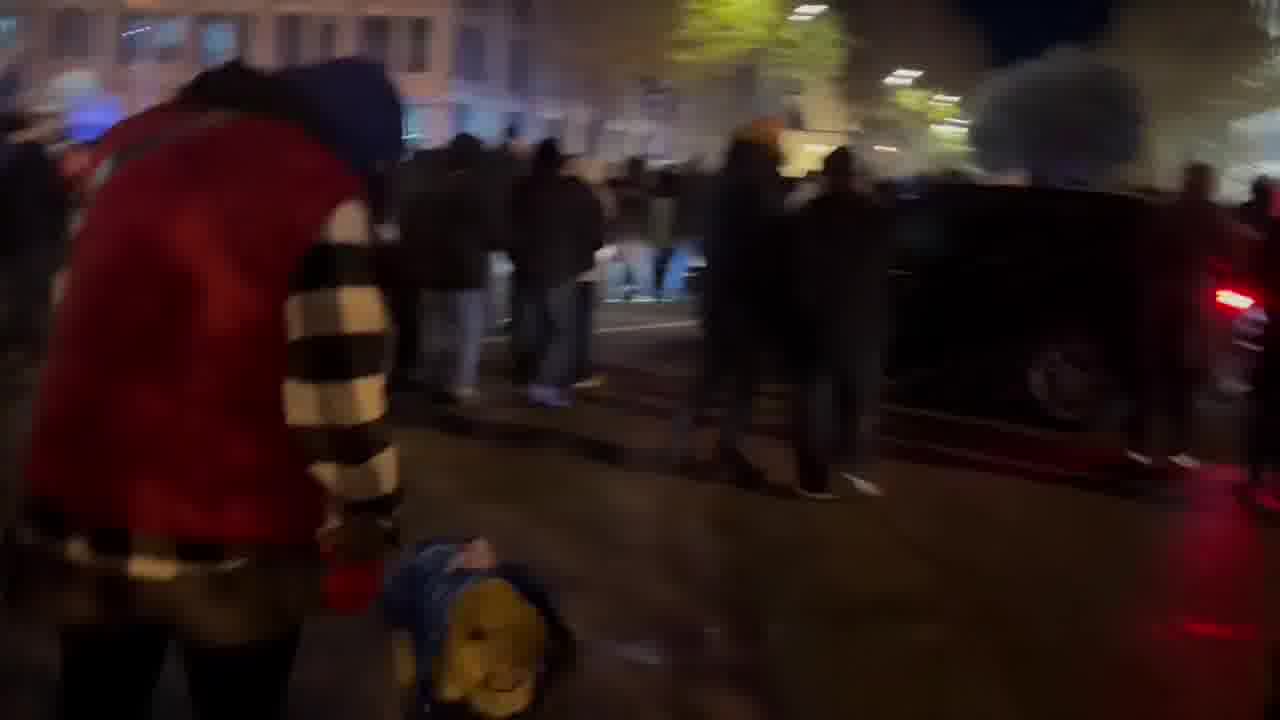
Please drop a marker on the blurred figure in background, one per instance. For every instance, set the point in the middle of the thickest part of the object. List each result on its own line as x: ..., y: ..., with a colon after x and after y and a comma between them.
x: 662, y: 228
x: 740, y: 248
x: 592, y: 173
x: 1176, y: 343
x: 555, y: 219
x: 1262, y: 432
x: 34, y: 207
x: 840, y: 250
x: 631, y: 231
x: 448, y: 231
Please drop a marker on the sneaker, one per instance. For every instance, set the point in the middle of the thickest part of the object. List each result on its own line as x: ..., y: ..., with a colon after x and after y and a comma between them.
x: 1185, y: 461
x: 590, y: 383
x: 548, y: 397
x: 465, y: 395
x: 823, y: 495
x: 1137, y: 457
x: 863, y: 486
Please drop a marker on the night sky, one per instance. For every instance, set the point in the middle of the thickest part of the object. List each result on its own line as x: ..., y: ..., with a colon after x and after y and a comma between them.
x: 1021, y: 29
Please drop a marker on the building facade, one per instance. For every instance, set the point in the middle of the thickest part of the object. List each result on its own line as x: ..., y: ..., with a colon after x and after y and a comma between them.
x: 461, y: 65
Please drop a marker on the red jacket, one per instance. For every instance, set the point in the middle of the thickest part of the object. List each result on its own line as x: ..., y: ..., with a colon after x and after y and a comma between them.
x: 160, y: 409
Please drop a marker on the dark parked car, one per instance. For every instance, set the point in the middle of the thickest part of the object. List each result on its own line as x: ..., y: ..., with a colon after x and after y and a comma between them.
x: 1019, y: 294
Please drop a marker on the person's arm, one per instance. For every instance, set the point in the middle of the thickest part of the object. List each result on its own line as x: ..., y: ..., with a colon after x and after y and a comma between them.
x: 335, y: 391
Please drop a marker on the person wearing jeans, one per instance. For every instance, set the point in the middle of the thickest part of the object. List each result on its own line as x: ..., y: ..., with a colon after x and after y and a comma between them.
x: 547, y: 319
x: 449, y: 229
x: 455, y: 323
x: 559, y: 225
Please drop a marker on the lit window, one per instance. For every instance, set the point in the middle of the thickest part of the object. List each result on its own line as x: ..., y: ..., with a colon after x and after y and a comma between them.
x: 375, y: 38
x: 71, y: 34
x: 419, y: 45
x: 289, y: 39
x: 470, y: 65
x: 9, y: 28
x: 222, y: 39
x: 152, y: 37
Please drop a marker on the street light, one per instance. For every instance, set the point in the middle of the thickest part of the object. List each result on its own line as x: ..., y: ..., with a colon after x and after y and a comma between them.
x: 805, y: 13
x: 903, y: 77
x: 941, y: 99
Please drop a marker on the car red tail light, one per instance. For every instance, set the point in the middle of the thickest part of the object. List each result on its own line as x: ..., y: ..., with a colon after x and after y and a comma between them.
x: 1235, y: 300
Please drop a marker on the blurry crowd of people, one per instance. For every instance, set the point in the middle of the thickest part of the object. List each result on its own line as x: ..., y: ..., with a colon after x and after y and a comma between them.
x: 572, y: 235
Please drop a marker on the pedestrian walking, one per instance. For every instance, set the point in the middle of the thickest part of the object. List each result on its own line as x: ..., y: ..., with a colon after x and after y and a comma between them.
x: 34, y: 206
x: 214, y: 392
x: 631, y: 231
x: 555, y: 219
x: 1262, y: 425
x: 745, y: 221
x: 449, y: 229
x: 592, y: 280
x: 837, y: 296
x: 1174, y: 343
x: 662, y: 229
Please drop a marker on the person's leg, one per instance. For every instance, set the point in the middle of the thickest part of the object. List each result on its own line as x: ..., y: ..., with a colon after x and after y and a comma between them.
x: 555, y: 368
x: 405, y: 311
x: 471, y: 315
x: 1184, y: 377
x: 244, y: 682
x: 861, y: 417
x: 737, y: 415
x: 586, y: 305
x: 525, y: 332
x: 661, y: 266
x: 1260, y: 422
x: 110, y: 671
x: 813, y: 406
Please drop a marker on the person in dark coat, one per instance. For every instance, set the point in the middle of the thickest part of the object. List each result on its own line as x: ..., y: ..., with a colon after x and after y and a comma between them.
x: 839, y: 252
x: 34, y: 208
x: 448, y: 231
x: 1262, y: 433
x: 736, y: 304
x: 555, y: 219
x: 1174, y: 347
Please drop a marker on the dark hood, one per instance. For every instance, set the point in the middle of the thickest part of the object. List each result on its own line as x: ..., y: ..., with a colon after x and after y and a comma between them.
x: 360, y: 105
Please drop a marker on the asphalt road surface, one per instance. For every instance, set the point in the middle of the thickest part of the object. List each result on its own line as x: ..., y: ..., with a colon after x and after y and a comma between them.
x: 1008, y: 572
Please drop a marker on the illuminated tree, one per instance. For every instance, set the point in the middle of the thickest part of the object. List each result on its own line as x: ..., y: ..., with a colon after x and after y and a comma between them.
x: 715, y: 39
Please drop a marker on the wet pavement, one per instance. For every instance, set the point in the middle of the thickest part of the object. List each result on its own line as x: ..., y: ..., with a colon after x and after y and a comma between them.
x: 1001, y: 576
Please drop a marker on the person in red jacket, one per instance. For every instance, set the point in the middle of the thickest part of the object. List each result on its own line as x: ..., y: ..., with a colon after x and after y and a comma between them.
x: 215, y: 390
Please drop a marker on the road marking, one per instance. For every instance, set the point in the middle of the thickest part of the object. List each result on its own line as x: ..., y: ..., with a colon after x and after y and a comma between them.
x: 1001, y: 425
x: 1008, y: 462
x: 617, y: 330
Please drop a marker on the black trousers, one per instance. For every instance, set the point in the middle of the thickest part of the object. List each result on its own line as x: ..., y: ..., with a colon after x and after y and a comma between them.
x: 406, y: 312
x: 112, y: 671
x: 1262, y: 441
x: 586, y: 308
x: 732, y: 361
x: 1165, y: 383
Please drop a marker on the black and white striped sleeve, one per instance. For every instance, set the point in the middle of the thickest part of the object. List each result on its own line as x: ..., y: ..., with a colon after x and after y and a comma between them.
x: 335, y: 392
